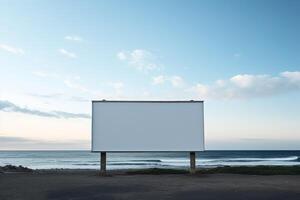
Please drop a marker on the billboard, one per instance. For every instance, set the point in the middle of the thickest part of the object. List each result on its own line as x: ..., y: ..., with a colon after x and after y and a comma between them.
x: 147, y: 126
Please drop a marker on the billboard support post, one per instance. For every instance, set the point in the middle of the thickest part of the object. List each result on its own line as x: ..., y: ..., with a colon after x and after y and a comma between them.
x: 103, y: 163
x: 192, y: 162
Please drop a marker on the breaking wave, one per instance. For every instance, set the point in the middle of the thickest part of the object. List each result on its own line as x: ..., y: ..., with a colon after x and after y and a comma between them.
x: 87, y: 160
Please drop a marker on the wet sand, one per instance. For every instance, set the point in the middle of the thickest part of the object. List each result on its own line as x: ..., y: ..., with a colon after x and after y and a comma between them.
x: 89, y: 185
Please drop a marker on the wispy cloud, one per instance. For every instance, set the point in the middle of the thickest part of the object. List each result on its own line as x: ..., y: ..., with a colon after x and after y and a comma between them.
x: 67, y: 53
x: 61, y: 96
x: 79, y: 99
x: 175, y: 81
x: 293, y: 77
x: 45, y: 74
x: 7, y: 106
x: 62, y: 114
x: 11, y: 49
x: 50, y: 96
x: 21, y: 143
x: 157, y: 80
x: 74, y: 38
x: 140, y: 59
x: 118, y: 87
x: 243, y: 86
x: 252, y: 144
x: 72, y: 82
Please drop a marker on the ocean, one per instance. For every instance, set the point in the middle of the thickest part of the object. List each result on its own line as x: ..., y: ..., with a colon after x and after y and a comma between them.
x: 88, y: 160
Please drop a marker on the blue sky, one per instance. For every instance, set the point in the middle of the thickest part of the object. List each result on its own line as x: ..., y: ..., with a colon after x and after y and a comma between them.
x: 241, y: 57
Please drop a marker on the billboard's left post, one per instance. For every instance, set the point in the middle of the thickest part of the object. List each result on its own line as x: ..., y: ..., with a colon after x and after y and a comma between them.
x: 103, y: 163
x: 192, y: 162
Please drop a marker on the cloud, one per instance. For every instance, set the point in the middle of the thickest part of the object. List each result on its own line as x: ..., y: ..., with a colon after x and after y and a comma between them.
x: 176, y: 81
x: 69, y: 81
x: 67, y: 53
x: 118, y: 87
x: 79, y: 99
x: 251, y: 144
x: 49, y: 96
x: 243, y: 86
x: 22, y: 143
x: 158, y: 80
x: 60, y: 96
x: 68, y: 115
x: 73, y: 83
x: 122, y: 55
x: 45, y: 74
x: 8, y: 139
x: 140, y: 59
x: 7, y: 106
x: 292, y: 76
x: 11, y: 49
x: 73, y: 38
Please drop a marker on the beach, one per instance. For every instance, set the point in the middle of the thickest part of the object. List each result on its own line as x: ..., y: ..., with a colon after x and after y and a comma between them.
x: 88, y: 184
x: 220, y: 175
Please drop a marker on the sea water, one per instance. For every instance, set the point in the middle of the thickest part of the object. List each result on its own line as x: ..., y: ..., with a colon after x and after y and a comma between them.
x: 88, y: 160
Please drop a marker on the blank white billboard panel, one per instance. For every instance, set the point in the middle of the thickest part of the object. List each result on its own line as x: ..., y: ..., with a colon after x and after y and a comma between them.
x: 147, y: 126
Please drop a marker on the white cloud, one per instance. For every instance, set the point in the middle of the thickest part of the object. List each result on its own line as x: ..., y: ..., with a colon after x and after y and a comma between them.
x: 176, y: 81
x: 72, y: 82
x: 49, y: 96
x: 11, y: 49
x: 249, y: 86
x: 59, y: 95
x: 146, y: 93
x: 25, y: 143
x: 142, y: 60
x: 45, y: 74
x: 122, y: 56
x: 118, y: 88
x: 73, y: 38
x: 292, y: 76
x: 8, y: 106
x: 118, y: 85
x: 67, y: 53
x: 158, y: 80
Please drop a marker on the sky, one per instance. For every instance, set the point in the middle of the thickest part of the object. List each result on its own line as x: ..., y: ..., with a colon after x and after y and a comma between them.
x: 241, y: 57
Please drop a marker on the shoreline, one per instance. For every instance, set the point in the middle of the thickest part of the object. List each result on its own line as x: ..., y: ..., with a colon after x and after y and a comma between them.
x: 245, y: 170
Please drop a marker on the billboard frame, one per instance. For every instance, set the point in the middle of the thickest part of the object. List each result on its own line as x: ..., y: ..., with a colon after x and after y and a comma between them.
x: 103, y: 153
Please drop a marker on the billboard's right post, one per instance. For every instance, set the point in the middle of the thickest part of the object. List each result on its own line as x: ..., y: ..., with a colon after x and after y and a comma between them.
x: 103, y: 163
x: 192, y: 162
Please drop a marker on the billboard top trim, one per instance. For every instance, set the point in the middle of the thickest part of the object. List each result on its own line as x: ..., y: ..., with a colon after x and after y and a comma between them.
x: 145, y: 101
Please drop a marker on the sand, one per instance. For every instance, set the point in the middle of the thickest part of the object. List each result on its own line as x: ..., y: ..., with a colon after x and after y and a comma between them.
x: 89, y: 185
